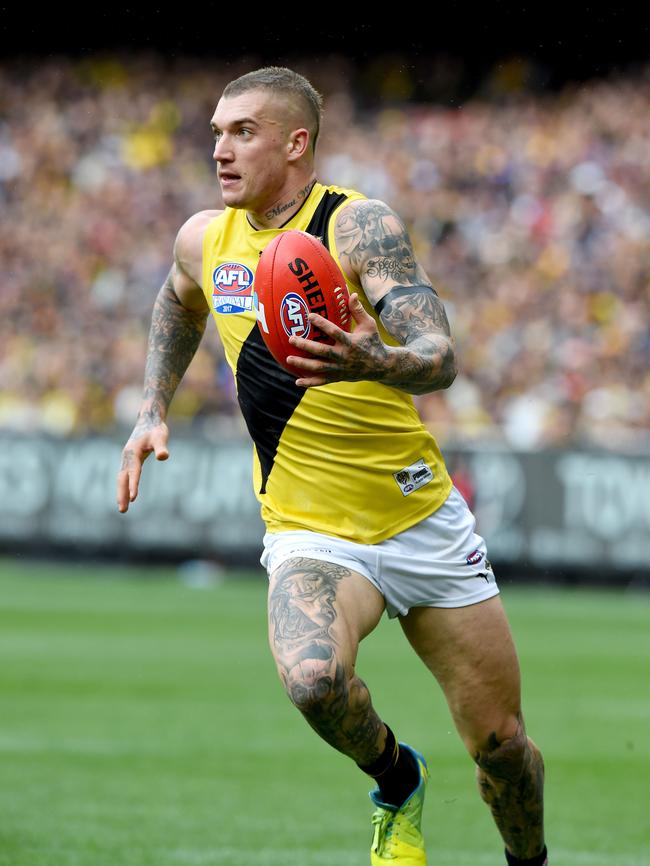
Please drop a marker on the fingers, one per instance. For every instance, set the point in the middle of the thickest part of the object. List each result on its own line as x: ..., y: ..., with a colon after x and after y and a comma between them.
x: 311, y: 365
x: 333, y: 331
x: 160, y: 449
x: 330, y: 330
x: 322, y: 372
x: 134, y: 454
x: 311, y: 382
x: 323, y: 350
x: 359, y: 314
x: 128, y: 478
x: 348, y: 357
x: 362, y: 318
x: 122, y: 491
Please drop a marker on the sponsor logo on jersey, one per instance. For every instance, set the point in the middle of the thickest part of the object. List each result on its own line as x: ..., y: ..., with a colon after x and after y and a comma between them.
x: 414, y: 476
x: 294, y: 315
x: 474, y: 557
x: 232, y: 288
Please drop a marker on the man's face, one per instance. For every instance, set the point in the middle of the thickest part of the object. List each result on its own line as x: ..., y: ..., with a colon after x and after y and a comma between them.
x: 251, y: 147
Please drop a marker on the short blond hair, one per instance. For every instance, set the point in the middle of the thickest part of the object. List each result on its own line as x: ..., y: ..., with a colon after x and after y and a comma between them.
x: 284, y: 82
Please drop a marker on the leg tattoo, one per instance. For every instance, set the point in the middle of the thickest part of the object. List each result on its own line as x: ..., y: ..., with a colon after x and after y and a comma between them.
x: 335, y: 701
x: 511, y: 779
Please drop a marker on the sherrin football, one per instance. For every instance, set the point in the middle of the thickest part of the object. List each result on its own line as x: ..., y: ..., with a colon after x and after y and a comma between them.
x: 296, y: 275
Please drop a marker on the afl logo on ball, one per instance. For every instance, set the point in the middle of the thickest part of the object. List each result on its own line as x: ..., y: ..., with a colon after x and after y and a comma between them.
x: 232, y: 288
x: 294, y: 314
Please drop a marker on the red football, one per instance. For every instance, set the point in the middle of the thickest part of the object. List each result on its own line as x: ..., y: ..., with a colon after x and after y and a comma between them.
x: 296, y: 275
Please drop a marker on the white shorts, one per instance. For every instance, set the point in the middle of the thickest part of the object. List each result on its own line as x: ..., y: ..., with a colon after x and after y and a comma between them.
x: 439, y: 562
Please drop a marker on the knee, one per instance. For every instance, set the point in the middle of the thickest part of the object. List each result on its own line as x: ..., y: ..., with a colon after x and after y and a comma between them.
x: 316, y: 680
x: 505, y: 754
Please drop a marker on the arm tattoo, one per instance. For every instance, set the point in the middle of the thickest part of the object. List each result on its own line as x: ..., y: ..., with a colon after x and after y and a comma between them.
x: 426, y: 364
x: 373, y: 242
x: 174, y: 337
x: 409, y: 313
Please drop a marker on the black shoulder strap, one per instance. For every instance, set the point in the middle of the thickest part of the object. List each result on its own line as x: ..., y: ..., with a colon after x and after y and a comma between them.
x: 319, y: 222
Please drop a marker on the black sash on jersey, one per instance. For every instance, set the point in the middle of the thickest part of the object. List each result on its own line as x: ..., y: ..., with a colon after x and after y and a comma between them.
x: 267, y: 393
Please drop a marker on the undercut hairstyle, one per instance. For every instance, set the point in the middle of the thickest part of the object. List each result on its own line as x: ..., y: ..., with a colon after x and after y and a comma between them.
x: 284, y: 82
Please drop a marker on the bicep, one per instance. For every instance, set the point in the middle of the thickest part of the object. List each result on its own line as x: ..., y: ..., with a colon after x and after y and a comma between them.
x: 188, y: 262
x: 374, y: 244
x: 189, y: 293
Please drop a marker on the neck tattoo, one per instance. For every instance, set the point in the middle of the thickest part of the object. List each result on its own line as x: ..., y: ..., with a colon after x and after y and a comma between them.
x: 299, y: 197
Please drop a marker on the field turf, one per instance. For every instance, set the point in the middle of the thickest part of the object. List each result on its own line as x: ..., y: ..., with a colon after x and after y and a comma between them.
x: 142, y: 724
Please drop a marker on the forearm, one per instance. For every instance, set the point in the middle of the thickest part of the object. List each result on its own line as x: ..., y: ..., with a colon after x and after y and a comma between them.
x: 174, y: 337
x: 425, y: 364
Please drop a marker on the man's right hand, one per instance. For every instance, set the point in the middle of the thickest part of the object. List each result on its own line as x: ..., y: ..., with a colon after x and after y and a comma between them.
x: 139, y: 446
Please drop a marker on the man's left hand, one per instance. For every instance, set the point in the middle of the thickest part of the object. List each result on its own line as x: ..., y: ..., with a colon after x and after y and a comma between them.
x: 356, y: 355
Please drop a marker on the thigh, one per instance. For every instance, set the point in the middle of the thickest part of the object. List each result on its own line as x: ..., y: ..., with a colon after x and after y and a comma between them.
x: 439, y: 562
x: 319, y: 610
x: 471, y: 653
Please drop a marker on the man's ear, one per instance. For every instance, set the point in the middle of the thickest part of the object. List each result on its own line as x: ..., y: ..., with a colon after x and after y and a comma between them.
x: 298, y: 143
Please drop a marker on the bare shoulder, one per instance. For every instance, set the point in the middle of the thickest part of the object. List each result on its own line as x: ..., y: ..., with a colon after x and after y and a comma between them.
x: 365, y: 213
x: 188, y: 258
x: 188, y: 246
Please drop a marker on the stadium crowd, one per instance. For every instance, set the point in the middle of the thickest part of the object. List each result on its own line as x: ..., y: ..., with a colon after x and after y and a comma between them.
x: 529, y: 211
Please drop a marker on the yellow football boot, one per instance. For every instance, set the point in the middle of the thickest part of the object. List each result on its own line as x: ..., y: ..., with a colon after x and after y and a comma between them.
x: 397, y: 837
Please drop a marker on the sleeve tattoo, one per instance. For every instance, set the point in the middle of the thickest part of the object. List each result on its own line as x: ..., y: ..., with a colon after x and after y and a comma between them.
x: 373, y: 242
x: 174, y: 337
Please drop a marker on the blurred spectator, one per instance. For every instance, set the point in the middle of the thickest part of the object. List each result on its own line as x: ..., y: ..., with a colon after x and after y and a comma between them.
x: 530, y: 213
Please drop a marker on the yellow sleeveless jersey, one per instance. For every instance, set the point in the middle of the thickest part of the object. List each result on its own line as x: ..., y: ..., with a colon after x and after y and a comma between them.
x: 349, y: 459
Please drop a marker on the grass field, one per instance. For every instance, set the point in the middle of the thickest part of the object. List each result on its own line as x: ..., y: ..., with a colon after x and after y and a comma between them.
x: 142, y: 724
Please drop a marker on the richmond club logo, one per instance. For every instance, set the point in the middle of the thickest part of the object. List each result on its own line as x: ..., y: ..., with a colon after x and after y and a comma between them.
x: 294, y: 315
x: 412, y: 477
